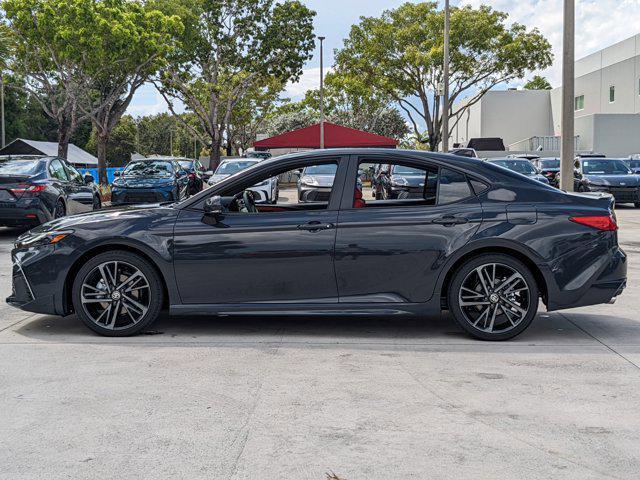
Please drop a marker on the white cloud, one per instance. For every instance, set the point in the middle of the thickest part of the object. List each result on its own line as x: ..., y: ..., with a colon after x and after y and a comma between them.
x: 309, y: 80
x: 599, y: 24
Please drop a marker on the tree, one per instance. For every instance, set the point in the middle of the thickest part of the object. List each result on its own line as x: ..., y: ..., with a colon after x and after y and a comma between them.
x: 289, y: 120
x: 538, y: 83
x: 91, y: 55
x: 41, y: 59
x: 227, y: 48
x: 400, y: 54
x: 122, y: 142
x: 157, y: 133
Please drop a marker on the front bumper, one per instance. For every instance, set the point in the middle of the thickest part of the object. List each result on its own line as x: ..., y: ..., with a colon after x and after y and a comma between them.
x: 620, y: 194
x: 131, y: 196
x: 309, y: 194
x: 24, y: 292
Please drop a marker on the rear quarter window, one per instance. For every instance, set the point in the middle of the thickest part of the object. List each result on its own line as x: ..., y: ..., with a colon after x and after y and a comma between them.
x: 453, y: 187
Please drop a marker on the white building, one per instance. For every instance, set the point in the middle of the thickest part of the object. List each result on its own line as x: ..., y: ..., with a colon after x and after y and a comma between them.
x: 607, y: 108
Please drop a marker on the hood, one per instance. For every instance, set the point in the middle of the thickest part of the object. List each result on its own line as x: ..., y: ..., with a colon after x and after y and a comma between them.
x: 144, y: 182
x: 614, y: 180
x: 119, y: 214
x: 322, y: 180
x: 217, y: 177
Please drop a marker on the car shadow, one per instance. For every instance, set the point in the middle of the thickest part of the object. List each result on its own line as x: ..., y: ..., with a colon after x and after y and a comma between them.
x: 307, y: 332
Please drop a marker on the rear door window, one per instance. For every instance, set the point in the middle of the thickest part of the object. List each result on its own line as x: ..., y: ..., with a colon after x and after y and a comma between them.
x: 57, y: 171
x: 453, y: 187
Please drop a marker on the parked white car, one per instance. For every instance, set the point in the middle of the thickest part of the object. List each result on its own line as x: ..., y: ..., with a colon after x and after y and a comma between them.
x: 264, y: 192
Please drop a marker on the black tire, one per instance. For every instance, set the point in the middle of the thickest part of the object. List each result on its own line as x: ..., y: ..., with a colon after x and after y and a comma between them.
x: 97, y: 203
x: 466, y: 271
x: 637, y: 204
x: 155, y: 293
x: 60, y: 209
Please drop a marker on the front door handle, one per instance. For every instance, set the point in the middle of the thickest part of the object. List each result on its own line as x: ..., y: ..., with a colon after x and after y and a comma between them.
x: 316, y: 226
x: 450, y: 220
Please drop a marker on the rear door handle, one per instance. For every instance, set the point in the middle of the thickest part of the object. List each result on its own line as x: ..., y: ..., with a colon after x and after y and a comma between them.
x: 316, y: 226
x: 450, y: 220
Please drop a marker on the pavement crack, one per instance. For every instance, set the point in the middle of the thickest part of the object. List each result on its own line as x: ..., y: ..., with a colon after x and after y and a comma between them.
x: 613, y: 350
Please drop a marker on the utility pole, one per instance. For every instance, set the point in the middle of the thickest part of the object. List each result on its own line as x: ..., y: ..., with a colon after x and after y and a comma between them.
x: 567, y: 155
x: 321, y: 92
x: 445, y: 79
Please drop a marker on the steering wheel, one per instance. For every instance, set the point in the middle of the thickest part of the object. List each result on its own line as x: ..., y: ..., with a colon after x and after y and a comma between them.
x: 249, y: 202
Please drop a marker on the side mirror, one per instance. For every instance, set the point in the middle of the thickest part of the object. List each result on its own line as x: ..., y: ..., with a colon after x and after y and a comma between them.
x: 88, y: 179
x: 213, y: 206
x: 298, y: 173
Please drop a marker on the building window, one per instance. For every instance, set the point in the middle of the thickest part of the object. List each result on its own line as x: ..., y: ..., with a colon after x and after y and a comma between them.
x: 612, y: 94
x: 579, y: 103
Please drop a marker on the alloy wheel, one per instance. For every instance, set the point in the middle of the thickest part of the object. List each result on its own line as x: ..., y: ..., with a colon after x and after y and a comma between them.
x: 60, y: 210
x: 494, y: 298
x: 115, y: 295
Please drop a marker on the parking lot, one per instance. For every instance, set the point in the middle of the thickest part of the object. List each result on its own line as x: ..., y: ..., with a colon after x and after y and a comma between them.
x: 297, y: 398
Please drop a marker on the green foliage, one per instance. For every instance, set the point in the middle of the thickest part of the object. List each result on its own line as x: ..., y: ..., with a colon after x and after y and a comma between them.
x: 538, y: 83
x: 289, y: 120
x: 400, y: 54
x: 228, y: 49
x: 157, y: 133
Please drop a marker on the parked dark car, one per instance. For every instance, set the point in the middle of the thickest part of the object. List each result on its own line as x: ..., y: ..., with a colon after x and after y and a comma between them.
x: 152, y: 180
x: 634, y: 165
x: 549, y: 167
x: 197, y: 174
x: 316, y: 183
x: 487, y: 246
x: 36, y: 189
x: 464, y: 152
x: 610, y: 175
x: 398, y: 182
x: 521, y: 166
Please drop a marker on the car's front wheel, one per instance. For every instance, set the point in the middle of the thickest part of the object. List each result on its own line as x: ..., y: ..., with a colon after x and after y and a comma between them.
x: 493, y: 297
x: 117, y: 294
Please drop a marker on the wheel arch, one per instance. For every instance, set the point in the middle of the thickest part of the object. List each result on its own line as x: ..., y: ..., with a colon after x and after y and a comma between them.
x: 103, y: 248
x: 496, y: 249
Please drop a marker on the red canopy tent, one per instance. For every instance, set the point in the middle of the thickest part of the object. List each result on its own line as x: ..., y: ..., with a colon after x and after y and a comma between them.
x: 335, y: 136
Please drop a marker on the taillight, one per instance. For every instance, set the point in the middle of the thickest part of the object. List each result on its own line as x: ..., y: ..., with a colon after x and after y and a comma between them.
x: 29, y: 189
x: 606, y: 223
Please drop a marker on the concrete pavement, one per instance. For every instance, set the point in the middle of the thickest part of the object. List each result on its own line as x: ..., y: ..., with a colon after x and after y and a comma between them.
x: 296, y: 398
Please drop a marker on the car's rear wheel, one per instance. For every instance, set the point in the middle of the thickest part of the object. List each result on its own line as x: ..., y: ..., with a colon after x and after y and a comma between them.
x: 637, y: 204
x: 493, y: 297
x: 117, y: 294
x: 60, y: 210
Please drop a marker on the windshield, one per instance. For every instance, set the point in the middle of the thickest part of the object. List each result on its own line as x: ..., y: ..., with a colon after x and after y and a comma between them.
x: 553, y: 163
x: 604, y: 167
x: 229, y: 168
x: 156, y: 168
x: 329, y: 169
x: 402, y: 170
x: 634, y: 163
x: 186, y: 164
x: 19, y: 167
x: 520, y: 166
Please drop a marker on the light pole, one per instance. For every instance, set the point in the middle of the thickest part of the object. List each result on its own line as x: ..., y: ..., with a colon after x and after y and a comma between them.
x: 445, y: 80
x: 567, y: 154
x: 321, y: 92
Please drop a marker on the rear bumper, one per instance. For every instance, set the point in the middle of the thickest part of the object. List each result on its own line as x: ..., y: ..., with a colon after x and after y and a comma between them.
x: 23, y: 216
x: 606, y: 283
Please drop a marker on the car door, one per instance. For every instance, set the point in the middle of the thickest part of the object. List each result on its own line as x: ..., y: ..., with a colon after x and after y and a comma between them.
x: 391, y: 251
x: 80, y: 194
x: 60, y: 180
x: 282, y: 255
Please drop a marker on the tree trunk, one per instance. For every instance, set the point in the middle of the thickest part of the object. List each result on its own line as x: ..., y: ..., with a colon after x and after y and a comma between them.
x: 214, y: 155
x: 102, y: 158
x: 434, y: 141
x: 63, y: 141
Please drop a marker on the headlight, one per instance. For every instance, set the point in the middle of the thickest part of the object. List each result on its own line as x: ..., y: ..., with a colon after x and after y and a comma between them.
x: 594, y: 187
x: 309, y: 180
x: 40, y: 239
x: 400, y: 181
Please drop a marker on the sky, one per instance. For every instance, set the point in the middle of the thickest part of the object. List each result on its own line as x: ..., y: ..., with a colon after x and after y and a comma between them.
x: 599, y: 23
